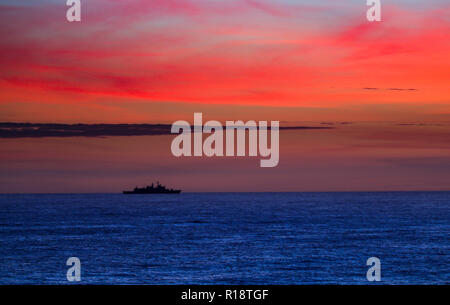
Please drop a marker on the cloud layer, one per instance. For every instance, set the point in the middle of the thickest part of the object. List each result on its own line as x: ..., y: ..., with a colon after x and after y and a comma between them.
x: 240, y: 52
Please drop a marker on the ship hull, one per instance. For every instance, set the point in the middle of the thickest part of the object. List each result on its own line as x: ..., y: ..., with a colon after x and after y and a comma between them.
x: 153, y: 192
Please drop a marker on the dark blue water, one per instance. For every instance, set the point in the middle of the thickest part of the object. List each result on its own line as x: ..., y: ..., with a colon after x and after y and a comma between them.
x: 232, y: 238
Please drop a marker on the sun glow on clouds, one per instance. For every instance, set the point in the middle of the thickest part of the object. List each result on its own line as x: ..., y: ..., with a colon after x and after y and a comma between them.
x: 158, y: 61
x: 240, y: 52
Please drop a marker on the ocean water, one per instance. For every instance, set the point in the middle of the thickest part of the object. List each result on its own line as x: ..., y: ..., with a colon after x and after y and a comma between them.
x: 226, y: 238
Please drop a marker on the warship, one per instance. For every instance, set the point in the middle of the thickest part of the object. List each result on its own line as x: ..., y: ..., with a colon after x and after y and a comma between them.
x: 151, y: 189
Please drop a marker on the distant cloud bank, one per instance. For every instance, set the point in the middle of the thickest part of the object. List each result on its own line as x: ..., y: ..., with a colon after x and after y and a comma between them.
x: 40, y: 130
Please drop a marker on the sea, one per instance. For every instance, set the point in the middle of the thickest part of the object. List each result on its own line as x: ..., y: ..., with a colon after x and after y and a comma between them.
x: 226, y: 238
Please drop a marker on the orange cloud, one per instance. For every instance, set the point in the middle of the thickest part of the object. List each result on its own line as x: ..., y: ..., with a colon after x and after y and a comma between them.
x: 183, y: 51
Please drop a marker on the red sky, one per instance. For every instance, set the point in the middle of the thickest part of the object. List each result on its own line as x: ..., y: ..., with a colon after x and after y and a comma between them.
x: 125, y: 56
x: 299, y: 62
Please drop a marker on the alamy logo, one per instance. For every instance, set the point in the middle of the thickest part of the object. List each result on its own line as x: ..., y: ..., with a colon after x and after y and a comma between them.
x: 374, y: 272
x: 74, y: 272
x: 374, y: 12
x: 74, y: 12
x: 214, y: 143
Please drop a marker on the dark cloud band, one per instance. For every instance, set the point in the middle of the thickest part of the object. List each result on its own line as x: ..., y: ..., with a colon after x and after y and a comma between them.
x: 35, y: 130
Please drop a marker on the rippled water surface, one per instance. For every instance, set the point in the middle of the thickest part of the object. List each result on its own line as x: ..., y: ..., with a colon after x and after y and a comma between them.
x: 226, y: 238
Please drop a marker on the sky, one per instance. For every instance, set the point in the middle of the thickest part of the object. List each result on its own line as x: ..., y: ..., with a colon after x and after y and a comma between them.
x: 299, y: 62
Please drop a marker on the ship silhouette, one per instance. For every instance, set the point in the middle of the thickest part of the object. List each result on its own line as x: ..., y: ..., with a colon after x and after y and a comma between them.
x: 151, y: 189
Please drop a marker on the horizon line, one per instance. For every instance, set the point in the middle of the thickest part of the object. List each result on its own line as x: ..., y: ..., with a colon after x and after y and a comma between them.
x: 234, y: 192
